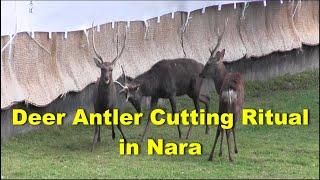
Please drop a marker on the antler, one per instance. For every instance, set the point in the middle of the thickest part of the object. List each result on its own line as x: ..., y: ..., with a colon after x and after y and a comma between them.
x: 120, y: 84
x: 94, y: 46
x: 124, y: 43
x: 124, y: 88
x: 124, y: 75
x: 219, y: 39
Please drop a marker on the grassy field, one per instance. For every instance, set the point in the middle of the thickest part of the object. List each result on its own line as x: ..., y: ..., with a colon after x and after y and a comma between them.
x: 264, y: 151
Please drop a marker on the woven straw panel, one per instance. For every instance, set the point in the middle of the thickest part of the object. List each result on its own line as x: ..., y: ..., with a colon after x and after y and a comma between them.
x: 280, y: 28
x: 253, y: 31
x: 11, y: 91
x: 30, y: 66
x: 147, y: 45
x: 75, y: 62
x: 197, y: 41
x: 136, y: 51
x: 306, y: 24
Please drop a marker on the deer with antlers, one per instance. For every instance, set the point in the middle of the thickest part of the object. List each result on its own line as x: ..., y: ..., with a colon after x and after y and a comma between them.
x: 215, y: 77
x: 167, y: 79
x: 107, y: 95
x: 230, y: 88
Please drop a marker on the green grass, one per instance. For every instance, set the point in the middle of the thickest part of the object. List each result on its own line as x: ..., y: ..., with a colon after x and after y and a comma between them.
x: 264, y: 151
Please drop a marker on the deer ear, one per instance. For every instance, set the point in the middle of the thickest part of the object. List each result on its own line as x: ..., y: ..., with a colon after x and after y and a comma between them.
x: 222, y: 54
x: 210, y: 52
x: 136, y: 87
x: 98, y: 62
x: 217, y: 56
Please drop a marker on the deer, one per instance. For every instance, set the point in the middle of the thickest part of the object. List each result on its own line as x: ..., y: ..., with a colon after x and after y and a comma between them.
x: 167, y: 79
x: 230, y: 88
x: 107, y: 95
x: 198, y: 83
x: 199, y: 80
x: 123, y: 79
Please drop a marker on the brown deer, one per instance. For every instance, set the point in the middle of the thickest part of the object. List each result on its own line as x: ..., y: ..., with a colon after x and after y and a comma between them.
x: 230, y: 87
x: 199, y: 80
x: 197, y: 86
x: 107, y: 95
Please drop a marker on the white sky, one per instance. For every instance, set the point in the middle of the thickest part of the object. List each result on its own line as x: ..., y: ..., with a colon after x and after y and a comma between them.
x: 62, y: 16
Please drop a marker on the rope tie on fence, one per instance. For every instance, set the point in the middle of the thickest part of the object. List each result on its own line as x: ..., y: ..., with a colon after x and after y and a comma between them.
x: 39, y: 44
x: 87, y: 38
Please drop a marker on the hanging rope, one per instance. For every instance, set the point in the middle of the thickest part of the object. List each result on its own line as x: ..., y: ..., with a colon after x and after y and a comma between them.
x: 41, y: 46
x: 295, y: 9
x: 8, y: 43
x: 184, y: 27
x: 244, y: 9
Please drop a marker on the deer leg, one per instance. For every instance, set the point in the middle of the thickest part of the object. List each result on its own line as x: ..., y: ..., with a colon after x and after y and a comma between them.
x: 154, y: 102
x: 221, y: 142
x: 238, y: 114
x: 189, y: 130
x: 174, y: 110
x: 207, y: 126
x: 99, y: 139
x: 113, y: 135
x: 136, y: 105
x: 234, y: 139
x: 196, y: 104
x: 205, y: 101
x: 122, y: 134
x: 95, y: 136
x: 229, y: 147
x: 214, y: 144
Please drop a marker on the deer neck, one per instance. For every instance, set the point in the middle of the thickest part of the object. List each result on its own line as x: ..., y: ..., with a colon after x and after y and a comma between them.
x: 148, y: 83
x: 219, y: 77
x: 105, y: 88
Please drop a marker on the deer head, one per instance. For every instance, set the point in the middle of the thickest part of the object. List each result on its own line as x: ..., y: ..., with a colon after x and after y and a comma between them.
x: 215, y: 61
x: 132, y: 90
x: 106, y: 67
x: 214, y: 64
